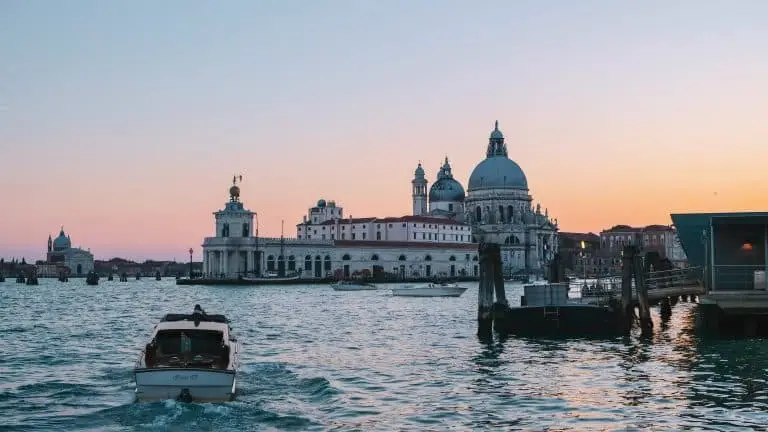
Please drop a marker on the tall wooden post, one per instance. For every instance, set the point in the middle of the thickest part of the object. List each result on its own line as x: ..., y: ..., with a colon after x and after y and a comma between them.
x: 485, y: 291
x: 627, y: 302
x: 646, y: 325
x: 498, y: 275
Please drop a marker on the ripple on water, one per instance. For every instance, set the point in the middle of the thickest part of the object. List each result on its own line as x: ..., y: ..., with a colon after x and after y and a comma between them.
x: 315, y: 359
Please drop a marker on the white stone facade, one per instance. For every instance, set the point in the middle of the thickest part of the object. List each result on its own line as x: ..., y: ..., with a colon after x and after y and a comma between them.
x: 61, y: 253
x: 232, y: 251
x: 339, y: 258
x: 499, y: 208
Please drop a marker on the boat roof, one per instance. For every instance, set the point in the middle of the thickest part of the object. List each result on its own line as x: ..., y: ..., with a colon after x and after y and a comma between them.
x: 195, y: 317
x: 190, y: 325
x: 194, y: 322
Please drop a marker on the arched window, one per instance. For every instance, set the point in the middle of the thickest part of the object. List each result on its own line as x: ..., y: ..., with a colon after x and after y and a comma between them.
x: 401, y: 258
x: 291, y: 263
x: 501, y: 214
x: 225, y: 230
x: 452, y: 258
x: 270, y: 263
x: 428, y: 258
x: 308, y: 262
x: 474, y: 258
x: 510, y: 213
x: 374, y: 257
x: 327, y: 262
x: 378, y: 235
x: 478, y: 214
x: 345, y: 257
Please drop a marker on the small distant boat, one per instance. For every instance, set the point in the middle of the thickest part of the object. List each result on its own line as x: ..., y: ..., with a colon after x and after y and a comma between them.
x: 191, y: 358
x: 444, y: 289
x: 353, y: 286
x: 272, y: 277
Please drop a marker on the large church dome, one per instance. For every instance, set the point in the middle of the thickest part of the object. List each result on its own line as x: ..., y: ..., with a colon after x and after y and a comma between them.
x: 61, y: 242
x: 446, y: 188
x: 497, y: 171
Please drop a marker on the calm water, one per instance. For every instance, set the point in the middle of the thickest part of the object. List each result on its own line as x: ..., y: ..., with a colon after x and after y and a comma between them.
x: 315, y: 359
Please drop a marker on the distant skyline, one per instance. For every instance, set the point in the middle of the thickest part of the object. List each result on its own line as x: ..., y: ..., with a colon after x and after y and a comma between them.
x: 125, y: 121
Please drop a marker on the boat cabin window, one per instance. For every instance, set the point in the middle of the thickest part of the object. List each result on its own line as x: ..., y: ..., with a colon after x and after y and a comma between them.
x: 173, y: 342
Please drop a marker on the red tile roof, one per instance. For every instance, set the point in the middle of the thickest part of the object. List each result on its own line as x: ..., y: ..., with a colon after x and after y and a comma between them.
x: 399, y: 219
x: 404, y: 244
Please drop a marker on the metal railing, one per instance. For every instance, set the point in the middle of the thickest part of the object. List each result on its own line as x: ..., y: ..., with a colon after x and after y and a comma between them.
x: 673, y: 278
x: 601, y: 290
x: 738, y: 277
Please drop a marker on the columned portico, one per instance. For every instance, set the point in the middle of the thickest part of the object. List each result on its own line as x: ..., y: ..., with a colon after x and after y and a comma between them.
x: 231, y: 252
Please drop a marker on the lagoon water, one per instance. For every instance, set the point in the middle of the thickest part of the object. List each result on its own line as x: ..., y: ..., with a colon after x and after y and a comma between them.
x: 315, y: 359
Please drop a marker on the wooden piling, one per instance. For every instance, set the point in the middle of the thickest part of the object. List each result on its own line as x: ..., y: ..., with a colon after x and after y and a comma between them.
x: 485, y: 291
x: 498, y: 275
x: 646, y: 325
x: 627, y: 303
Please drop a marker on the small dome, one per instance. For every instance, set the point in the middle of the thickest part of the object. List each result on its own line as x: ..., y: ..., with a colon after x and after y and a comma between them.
x: 446, y: 189
x: 419, y: 173
x: 496, y: 133
x: 234, y: 191
x: 61, y: 242
x: 497, y: 172
x: 321, y: 203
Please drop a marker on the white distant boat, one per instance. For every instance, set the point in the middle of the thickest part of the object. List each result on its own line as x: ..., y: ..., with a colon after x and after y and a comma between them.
x: 189, y: 358
x: 352, y: 286
x: 272, y: 277
x: 430, y: 290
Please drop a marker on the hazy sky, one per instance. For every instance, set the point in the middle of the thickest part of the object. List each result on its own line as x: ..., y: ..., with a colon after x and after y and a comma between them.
x: 124, y: 121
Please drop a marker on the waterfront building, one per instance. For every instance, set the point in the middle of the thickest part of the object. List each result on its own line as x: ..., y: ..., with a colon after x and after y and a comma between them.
x: 232, y: 251
x: 61, y: 255
x: 659, y: 238
x: 498, y: 202
x: 436, y: 240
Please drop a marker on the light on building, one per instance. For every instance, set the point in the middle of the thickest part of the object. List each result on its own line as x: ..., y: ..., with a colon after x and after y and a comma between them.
x: 583, y: 245
x: 746, y: 247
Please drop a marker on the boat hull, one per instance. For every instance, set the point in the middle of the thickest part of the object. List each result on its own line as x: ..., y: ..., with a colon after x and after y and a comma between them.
x: 565, y: 320
x: 429, y: 292
x: 195, y: 385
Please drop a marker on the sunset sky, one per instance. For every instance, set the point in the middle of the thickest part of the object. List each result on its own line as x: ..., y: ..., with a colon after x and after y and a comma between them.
x: 125, y: 121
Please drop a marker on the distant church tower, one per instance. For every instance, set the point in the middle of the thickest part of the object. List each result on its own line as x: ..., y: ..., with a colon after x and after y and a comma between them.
x: 419, y: 192
x: 50, y: 243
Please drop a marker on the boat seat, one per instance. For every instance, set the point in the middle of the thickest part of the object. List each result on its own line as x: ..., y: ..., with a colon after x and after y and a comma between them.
x: 224, y: 362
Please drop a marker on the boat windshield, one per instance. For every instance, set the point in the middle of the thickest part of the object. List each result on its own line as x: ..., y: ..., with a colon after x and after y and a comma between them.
x: 188, y: 348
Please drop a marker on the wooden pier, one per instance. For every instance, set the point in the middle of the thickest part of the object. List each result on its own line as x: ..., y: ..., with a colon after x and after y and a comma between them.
x: 607, y: 306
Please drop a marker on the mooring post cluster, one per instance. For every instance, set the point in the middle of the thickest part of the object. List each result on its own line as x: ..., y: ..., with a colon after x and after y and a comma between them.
x: 633, y: 269
x: 491, y: 281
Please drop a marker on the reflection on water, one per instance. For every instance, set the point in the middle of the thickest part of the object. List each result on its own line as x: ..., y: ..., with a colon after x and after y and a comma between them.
x: 316, y: 359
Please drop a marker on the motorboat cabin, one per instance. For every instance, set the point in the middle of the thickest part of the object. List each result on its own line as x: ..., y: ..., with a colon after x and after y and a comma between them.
x: 189, y: 357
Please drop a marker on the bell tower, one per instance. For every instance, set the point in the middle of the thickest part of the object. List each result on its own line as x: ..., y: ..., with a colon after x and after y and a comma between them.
x: 419, y: 195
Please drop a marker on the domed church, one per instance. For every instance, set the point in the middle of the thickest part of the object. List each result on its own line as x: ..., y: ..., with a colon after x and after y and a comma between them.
x: 60, y: 252
x: 498, y: 195
x: 446, y: 195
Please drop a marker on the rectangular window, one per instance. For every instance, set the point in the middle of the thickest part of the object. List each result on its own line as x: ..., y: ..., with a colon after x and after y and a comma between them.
x: 363, y: 236
x: 414, y: 236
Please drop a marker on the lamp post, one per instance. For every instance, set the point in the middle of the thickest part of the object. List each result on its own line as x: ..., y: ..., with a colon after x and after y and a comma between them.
x: 584, y: 260
x: 190, y: 263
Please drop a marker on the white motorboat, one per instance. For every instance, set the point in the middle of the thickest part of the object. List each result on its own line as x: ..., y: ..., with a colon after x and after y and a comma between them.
x: 430, y: 290
x: 273, y: 278
x: 352, y: 286
x: 190, y: 358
